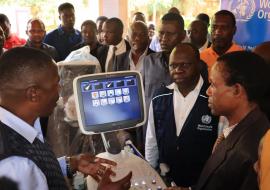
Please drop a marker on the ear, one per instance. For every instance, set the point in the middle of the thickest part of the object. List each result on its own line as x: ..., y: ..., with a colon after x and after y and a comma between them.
x: 33, y: 94
x: 238, y: 90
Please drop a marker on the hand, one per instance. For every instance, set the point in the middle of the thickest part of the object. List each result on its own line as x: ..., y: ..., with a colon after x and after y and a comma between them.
x: 90, y: 165
x: 122, y: 184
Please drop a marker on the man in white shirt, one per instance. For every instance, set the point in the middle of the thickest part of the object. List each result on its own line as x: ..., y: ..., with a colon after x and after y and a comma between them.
x: 113, y: 31
x: 29, y: 86
x: 133, y: 59
x: 181, y: 129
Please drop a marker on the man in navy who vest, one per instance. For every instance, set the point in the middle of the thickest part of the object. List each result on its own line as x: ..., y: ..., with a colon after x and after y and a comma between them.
x: 181, y: 130
x: 29, y: 87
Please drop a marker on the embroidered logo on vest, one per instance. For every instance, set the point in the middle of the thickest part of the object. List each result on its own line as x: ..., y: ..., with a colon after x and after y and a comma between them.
x: 206, y: 119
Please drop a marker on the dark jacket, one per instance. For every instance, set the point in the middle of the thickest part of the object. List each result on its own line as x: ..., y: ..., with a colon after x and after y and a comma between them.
x: 231, y: 165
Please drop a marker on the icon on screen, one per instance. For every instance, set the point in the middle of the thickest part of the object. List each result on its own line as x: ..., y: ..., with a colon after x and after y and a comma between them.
x: 110, y: 84
x: 120, y: 83
x: 130, y: 82
x: 96, y: 103
x: 87, y: 87
x: 95, y: 95
x: 125, y: 91
x: 102, y: 94
x: 103, y: 102
x: 119, y: 100
x: 111, y: 101
x: 118, y: 92
x: 98, y: 86
x: 126, y: 99
x: 110, y: 93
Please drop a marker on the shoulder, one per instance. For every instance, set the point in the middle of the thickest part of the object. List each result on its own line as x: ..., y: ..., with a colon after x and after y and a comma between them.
x: 162, y: 92
x: 153, y: 56
x: 236, y: 47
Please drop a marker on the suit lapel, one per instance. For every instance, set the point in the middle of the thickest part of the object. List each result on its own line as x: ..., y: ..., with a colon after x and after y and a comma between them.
x: 219, y: 155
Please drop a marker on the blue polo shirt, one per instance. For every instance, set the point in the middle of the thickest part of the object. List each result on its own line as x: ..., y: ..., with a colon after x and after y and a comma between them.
x: 63, y: 41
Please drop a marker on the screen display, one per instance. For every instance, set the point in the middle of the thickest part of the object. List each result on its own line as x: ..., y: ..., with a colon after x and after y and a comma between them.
x: 109, y: 100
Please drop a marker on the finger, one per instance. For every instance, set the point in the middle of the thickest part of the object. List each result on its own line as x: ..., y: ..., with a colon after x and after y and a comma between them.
x: 106, y: 176
x: 96, y: 178
x: 105, y: 161
x: 101, y: 167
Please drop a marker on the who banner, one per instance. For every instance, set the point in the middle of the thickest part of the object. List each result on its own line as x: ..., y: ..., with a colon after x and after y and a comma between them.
x: 252, y: 19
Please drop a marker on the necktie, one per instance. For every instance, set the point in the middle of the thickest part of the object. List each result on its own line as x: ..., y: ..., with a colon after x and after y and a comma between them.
x: 111, y: 61
x: 220, y: 138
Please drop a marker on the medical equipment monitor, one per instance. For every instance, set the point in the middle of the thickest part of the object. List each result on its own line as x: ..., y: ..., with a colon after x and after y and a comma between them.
x: 109, y: 101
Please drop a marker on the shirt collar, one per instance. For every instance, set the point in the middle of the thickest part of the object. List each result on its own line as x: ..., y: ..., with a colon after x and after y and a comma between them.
x: 29, y: 44
x: 228, y: 130
x: 14, y: 122
x: 198, y: 87
x: 62, y: 32
x: 119, y: 45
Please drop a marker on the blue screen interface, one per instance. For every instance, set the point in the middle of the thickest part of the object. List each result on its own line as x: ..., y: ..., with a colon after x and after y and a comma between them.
x: 110, y: 100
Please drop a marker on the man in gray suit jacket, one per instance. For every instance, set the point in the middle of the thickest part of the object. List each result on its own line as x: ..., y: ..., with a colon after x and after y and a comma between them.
x: 155, y: 71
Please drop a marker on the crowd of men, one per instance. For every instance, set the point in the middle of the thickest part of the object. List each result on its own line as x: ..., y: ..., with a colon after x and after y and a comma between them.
x: 207, y: 99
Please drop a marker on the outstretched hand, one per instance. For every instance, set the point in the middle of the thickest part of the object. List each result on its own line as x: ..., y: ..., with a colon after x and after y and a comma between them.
x: 91, y: 165
x: 106, y: 182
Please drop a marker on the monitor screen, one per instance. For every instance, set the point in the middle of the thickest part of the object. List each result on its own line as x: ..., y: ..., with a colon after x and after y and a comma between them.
x: 109, y: 101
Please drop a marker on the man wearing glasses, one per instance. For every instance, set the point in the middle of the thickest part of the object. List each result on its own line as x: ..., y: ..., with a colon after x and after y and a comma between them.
x: 181, y: 130
x: 155, y: 70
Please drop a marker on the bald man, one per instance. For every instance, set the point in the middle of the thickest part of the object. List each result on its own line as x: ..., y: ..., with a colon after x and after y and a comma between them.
x: 181, y: 129
x: 36, y: 33
x: 133, y: 59
x: 197, y: 32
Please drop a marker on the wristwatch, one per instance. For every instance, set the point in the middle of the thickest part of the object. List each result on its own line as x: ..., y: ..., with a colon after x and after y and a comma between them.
x: 70, y: 172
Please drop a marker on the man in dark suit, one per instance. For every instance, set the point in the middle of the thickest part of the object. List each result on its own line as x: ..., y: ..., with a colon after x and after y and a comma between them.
x: 133, y: 59
x: 236, y: 92
x: 113, y: 31
x: 89, y: 38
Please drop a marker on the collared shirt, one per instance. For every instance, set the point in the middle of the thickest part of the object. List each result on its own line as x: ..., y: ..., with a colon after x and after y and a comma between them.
x: 49, y: 50
x: 228, y: 130
x: 20, y: 169
x: 63, y: 41
x: 205, y: 45
x: 14, y: 41
x: 121, y: 48
x: 138, y: 66
x: 182, y: 106
x: 209, y: 56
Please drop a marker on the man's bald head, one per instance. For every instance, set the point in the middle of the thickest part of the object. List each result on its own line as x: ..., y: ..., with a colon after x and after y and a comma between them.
x: 263, y: 50
x: 184, y: 67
